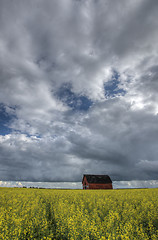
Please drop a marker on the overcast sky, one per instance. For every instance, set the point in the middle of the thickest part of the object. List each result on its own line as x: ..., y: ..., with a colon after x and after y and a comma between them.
x: 78, y: 89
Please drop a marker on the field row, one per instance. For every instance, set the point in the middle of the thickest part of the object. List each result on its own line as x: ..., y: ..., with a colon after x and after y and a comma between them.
x: 78, y: 214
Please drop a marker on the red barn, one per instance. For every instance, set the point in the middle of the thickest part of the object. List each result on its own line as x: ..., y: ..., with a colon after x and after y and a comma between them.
x: 96, y: 182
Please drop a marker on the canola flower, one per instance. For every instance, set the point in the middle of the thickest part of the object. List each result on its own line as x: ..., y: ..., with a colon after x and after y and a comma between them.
x: 78, y: 214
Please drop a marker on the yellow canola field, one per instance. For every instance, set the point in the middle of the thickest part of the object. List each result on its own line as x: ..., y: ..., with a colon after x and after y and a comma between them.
x: 78, y: 214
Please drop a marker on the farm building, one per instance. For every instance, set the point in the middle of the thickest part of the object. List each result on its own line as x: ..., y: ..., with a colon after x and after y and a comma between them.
x: 96, y: 182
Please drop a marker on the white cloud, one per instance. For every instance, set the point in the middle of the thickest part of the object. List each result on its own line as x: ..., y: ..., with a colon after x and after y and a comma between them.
x: 44, y: 45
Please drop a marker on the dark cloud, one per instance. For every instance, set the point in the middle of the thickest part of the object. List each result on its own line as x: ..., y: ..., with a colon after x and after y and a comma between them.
x: 78, y: 89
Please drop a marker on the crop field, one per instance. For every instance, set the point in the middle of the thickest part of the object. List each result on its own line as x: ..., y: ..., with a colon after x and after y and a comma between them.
x: 78, y: 214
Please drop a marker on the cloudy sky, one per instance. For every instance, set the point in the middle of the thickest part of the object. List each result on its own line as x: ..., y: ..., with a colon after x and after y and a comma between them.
x: 78, y: 89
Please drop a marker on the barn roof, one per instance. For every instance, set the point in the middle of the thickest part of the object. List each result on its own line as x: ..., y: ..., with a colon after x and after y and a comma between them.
x: 97, y: 178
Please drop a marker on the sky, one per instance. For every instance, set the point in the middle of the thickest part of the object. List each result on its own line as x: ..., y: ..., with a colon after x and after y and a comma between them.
x: 78, y: 185
x: 78, y: 90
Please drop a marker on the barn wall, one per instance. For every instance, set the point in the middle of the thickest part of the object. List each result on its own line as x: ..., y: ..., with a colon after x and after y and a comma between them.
x: 85, y: 183
x: 100, y: 186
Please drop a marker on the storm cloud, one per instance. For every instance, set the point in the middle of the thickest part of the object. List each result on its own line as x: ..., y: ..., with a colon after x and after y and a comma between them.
x: 78, y: 89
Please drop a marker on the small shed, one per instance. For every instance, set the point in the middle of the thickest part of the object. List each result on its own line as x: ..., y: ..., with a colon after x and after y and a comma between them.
x: 96, y: 182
